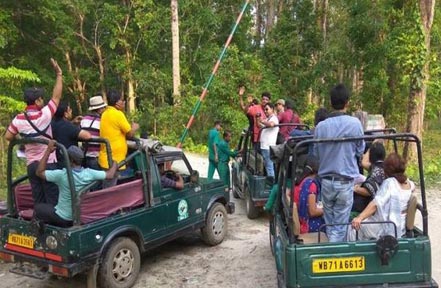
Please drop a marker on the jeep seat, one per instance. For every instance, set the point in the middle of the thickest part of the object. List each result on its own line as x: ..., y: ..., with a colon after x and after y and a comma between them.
x: 305, y: 238
x: 410, y: 216
x: 103, y: 203
x: 24, y: 202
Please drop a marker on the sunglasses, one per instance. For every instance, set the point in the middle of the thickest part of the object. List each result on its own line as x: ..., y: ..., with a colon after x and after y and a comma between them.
x: 267, y: 109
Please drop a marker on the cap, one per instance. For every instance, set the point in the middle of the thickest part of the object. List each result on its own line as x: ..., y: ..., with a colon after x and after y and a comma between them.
x: 281, y: 101
x: 32, y: 94
x: 96, y: 102
x: 76, y: 154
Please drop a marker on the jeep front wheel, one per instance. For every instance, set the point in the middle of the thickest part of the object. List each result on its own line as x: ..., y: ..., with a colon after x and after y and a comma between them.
x: 215, y: 225
x: 120, y: 265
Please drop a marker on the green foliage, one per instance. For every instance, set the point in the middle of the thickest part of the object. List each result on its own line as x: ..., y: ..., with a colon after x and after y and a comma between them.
x: 378, y: 44
x: 431, y: 159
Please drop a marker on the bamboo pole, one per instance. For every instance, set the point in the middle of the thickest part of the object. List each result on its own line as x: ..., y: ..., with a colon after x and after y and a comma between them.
x: 213, y: 73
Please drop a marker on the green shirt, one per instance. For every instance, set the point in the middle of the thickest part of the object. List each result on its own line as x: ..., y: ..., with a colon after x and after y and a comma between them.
x: 223, y: 151
x: 213, y: 138
x: 81, y: 178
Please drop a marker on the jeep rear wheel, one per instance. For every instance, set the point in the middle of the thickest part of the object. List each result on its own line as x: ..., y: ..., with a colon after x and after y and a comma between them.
x: 234, y: 185
x: 215, y: 225
x: 252, y: 211
x: 120, y: 265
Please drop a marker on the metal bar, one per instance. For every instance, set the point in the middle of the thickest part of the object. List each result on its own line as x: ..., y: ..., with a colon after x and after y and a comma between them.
x: 213, y: 73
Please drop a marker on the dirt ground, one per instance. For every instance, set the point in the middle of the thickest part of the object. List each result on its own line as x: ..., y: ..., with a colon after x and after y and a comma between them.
x: 243, y: 260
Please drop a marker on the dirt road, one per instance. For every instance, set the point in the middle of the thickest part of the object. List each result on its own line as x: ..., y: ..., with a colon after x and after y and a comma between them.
x: 243, y: 260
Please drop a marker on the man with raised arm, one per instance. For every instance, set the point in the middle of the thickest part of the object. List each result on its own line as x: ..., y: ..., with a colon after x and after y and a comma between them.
x: 338, y: 163
x: 35, y: 123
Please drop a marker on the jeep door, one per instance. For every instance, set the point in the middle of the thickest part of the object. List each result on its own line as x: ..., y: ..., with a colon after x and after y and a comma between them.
x: 184, y: 207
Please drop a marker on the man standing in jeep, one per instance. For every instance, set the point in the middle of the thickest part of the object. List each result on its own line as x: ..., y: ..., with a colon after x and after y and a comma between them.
x: 338, y: 162
x: 35, y: 122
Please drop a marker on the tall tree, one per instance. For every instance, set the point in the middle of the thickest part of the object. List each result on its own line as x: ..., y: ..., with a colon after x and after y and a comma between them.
x: 419, y: 78
x: 175, y: 52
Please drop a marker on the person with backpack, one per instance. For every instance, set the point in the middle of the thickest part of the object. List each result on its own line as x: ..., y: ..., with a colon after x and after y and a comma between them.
x: 91, y: 122
x: 308, y: 199
x: 35, y: 122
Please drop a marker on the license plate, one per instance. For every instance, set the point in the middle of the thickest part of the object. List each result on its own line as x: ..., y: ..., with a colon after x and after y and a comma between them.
x: 21, y: 240
x: 344, y: 264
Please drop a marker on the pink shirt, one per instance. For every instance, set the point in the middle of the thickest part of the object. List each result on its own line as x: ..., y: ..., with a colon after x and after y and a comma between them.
x: 41, y: 118
x: 252, y: 111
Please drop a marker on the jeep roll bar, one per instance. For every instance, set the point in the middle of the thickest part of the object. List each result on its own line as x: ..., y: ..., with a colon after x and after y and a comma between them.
x: 293, y: 146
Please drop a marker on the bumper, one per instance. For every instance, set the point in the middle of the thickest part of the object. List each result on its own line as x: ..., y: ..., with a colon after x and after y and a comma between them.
x: 231, y: 207
x: 34, y: 264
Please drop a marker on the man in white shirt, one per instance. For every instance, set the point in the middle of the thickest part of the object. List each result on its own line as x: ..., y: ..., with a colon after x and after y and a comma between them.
x: 268, y: 137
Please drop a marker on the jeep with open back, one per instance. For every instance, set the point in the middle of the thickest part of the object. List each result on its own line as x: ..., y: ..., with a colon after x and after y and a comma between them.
x: 249, y: 181
x: 112, y: 226
x: 309, y: 260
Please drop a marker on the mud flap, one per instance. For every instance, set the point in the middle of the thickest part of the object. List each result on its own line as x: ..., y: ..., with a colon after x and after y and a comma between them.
x: 230, y: 207
x: 91, y: 276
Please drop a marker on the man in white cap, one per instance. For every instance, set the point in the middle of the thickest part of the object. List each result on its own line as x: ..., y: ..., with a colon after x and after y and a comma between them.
x: 91, y: 122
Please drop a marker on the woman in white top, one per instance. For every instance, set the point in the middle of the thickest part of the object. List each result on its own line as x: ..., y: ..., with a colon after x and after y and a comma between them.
x: 390, y: 203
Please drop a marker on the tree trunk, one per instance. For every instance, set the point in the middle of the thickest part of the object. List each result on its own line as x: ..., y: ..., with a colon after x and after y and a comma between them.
x: 417, y: 95
x: 259, y: 23
x: 175, y: 49
x: 270, y: 16
x: 96, y: 45
x: 131, y: 95
x: 78, y: 87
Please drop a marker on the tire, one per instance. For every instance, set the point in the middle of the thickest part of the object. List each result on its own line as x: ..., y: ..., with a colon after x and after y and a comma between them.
x: 280, y: 281
x: 271, y: 235
x: 235, y: 194
x: 252, y: 211
x: 120, y: 265
x: 234, y: 184
x: 216, y: 225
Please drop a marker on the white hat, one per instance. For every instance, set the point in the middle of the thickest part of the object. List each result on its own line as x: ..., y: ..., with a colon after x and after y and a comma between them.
x: 96, y: 102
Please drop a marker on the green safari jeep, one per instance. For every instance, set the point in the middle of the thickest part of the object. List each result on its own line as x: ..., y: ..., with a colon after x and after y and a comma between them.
x: 309, y: 260
x: 249, y: 181
x: 113, y: 226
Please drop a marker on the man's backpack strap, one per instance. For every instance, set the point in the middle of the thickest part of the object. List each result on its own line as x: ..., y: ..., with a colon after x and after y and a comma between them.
x: 39, y: 132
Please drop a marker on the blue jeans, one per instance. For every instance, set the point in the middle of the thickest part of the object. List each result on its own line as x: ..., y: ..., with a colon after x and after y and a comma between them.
x: 337, y: 197
x: 269, y: 165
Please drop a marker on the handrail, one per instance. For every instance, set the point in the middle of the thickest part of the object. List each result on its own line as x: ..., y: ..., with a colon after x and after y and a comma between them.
x: 403, y: 137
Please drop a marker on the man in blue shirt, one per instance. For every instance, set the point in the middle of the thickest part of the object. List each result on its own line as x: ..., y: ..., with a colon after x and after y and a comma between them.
x: 338, y: 162
x: 61, y: 214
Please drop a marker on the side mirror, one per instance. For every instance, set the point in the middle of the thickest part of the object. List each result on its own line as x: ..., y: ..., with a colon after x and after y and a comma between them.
x: 194, y: 177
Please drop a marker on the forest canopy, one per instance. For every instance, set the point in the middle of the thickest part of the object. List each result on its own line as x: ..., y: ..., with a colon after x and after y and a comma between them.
x: 296, y: 49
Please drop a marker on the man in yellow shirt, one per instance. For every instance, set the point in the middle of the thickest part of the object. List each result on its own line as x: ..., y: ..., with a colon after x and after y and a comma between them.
x: 115, y: 127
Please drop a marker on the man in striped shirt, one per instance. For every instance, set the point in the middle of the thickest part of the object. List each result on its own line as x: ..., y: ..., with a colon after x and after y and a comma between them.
x: 91, y: 122
x: 38, y: 116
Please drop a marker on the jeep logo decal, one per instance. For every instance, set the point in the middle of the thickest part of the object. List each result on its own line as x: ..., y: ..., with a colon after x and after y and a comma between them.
x: 182, y: 210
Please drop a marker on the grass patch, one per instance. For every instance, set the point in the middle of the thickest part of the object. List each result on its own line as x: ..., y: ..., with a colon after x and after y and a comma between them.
x: 431, y: 159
